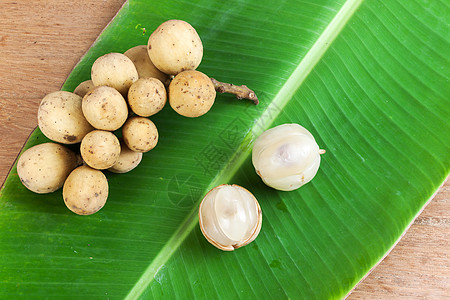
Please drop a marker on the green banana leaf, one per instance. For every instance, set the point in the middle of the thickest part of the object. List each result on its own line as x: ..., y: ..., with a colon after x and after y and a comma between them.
x: 369, y: 79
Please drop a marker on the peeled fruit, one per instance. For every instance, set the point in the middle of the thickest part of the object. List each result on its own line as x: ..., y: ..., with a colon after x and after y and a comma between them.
x: 230, y: 217
x: 286, y: 157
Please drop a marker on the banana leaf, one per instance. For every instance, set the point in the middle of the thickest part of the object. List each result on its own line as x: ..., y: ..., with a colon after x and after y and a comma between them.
x: 369, y: 79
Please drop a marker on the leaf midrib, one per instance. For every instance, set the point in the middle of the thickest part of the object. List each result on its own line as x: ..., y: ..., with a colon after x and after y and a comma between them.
x: 272, y: 111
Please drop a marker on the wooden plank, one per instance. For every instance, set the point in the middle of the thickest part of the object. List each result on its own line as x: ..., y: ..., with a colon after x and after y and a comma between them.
x: 419, y: 266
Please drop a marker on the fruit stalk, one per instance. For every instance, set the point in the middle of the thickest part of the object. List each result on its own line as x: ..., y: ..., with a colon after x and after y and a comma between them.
x: 241, y: 91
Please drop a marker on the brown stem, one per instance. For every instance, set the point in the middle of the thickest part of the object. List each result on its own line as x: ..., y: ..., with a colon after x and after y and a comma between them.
x: 241, y: 91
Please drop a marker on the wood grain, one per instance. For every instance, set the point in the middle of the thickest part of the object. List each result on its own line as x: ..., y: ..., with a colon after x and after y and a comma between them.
x: 40, y: 43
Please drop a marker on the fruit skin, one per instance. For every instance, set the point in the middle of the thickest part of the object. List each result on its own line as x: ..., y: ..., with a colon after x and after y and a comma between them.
x: 174, y: 47
x: 286, y: 157
x: 144, y: 66
x: 60, y: 118
x: 114, y: 70
x: 100, y: 149
x: 44, y: 168
x: 140, y: 134
x: 147, y: 96
x: 105, y: 108
x: 85, y: 191
x: 191, y: 94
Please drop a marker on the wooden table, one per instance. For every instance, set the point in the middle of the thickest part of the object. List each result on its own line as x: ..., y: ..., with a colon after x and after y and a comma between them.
x: 41, y: 41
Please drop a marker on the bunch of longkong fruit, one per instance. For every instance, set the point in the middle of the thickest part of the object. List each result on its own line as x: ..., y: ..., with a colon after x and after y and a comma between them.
x: 285, y: 157
x: 124, y: 90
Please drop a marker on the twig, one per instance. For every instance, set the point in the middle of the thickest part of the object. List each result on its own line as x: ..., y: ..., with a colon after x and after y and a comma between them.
x: 241, y: 91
